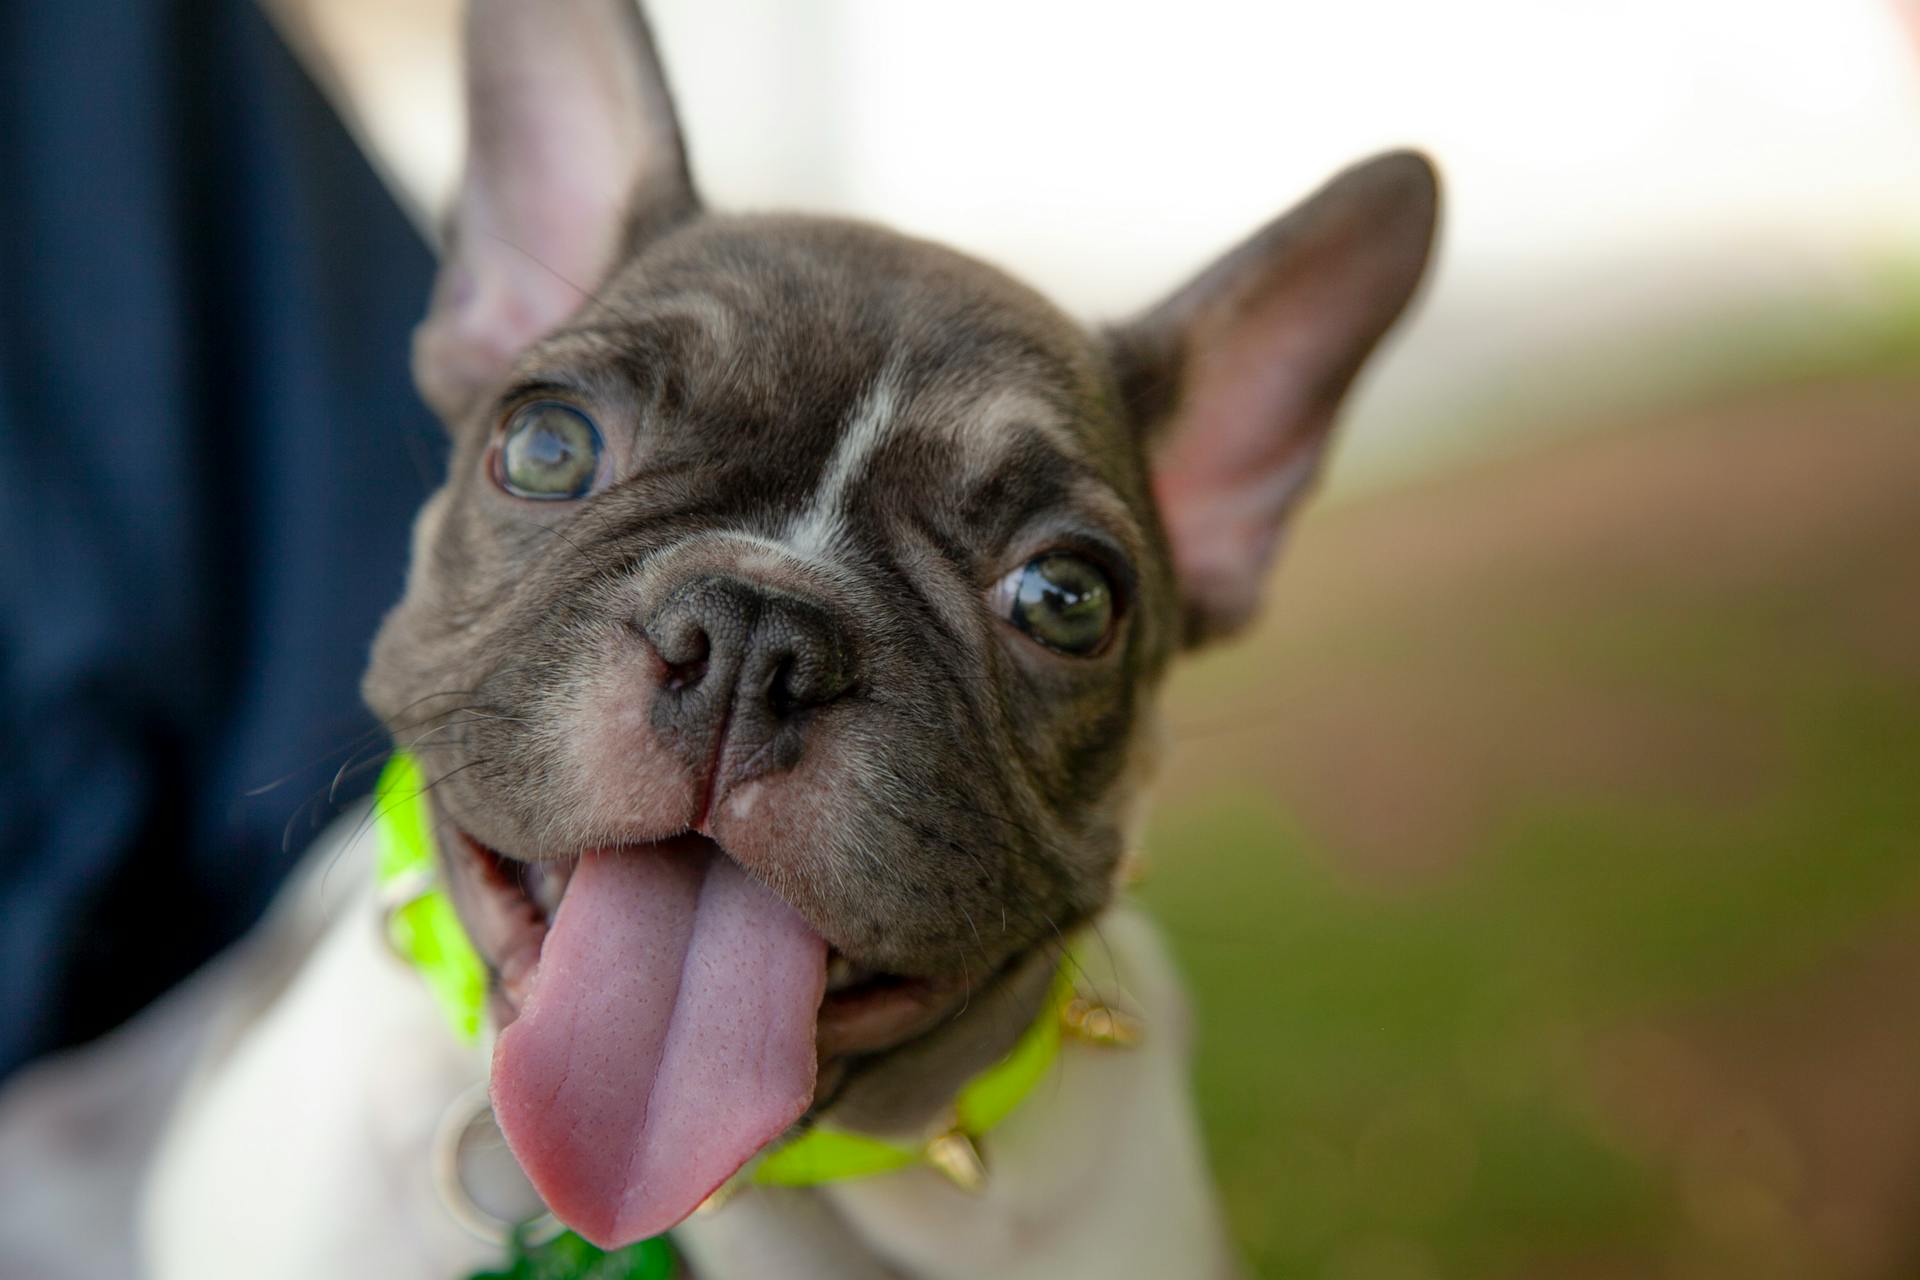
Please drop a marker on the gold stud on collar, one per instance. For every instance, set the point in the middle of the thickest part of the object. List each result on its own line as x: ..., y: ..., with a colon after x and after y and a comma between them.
x: 954, y: 1155
x: 1099, y: 1023
x: 718, y: 1196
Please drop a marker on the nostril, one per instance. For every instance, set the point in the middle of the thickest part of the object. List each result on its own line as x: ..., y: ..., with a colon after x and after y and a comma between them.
x: 685, y: 675
x: 806, y: 680
x: 780, y: 696
x: 684, y: 648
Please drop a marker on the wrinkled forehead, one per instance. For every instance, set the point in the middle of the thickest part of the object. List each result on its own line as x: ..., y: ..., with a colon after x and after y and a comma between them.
x: 807, y: 368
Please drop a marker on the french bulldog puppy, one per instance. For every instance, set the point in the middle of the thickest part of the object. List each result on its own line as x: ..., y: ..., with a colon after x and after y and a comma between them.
x: 783, y: 651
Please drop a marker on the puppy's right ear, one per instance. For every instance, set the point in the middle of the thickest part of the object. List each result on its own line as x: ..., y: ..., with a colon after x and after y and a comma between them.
x: 573, y: 157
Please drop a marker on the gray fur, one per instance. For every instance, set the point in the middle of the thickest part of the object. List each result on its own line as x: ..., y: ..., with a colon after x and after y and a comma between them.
x: 828, y: 443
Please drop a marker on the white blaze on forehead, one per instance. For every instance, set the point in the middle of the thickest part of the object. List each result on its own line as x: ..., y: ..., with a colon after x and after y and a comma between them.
x: 982, y: 426
x: 818, y: 526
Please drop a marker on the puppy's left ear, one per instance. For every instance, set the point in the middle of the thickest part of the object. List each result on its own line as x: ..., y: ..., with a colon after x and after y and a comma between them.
x: 1235, y: 381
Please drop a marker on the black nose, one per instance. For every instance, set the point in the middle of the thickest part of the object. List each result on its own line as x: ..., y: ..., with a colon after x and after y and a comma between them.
x: 729, y: 645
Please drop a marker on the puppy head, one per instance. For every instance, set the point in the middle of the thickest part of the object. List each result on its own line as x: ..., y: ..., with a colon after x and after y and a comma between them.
x: 794, y: 607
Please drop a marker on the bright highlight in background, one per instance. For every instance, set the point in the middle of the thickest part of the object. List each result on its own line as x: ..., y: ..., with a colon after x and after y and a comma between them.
x: 1615, y: 172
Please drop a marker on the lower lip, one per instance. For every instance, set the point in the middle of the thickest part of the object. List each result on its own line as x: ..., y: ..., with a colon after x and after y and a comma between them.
x: 882, y: 1014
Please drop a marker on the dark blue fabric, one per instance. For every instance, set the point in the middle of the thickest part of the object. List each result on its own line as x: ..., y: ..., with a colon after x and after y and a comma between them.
x: 209, y: 453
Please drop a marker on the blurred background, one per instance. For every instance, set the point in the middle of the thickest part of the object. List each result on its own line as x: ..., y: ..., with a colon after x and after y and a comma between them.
x: 1547, y: 864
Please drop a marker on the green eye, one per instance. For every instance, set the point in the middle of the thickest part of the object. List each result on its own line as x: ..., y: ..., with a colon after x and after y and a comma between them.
x: 1062, y: 600
x: 550, y: 451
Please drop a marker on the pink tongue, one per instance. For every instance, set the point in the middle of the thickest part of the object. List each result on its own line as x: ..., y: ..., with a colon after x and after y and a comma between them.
x: 668, y: 1036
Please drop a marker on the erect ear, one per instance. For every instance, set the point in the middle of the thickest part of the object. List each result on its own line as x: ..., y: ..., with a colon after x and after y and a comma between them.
x: 1236, y: 379
x: 573, y: 156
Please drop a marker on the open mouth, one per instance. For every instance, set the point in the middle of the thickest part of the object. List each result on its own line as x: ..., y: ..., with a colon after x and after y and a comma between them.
x: 664, y: 1018
x: 508, y: 907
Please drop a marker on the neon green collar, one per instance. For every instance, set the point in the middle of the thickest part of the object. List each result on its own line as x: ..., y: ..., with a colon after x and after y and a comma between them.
x: 425, y: 931
x: 421, y: 924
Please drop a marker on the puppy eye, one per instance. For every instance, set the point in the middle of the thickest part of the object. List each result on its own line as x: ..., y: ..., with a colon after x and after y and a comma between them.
x: 1061, y: 600
x: 550, y: 451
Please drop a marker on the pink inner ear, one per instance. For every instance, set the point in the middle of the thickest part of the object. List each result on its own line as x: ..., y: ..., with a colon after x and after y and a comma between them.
x: 1246, y: 447
x: 539, y: 222
x: 524, y: 276
x: 1262, y: 345
x: 568, y: 126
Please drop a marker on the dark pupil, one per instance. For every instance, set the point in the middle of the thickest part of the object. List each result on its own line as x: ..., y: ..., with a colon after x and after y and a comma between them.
x: 1063, y: 601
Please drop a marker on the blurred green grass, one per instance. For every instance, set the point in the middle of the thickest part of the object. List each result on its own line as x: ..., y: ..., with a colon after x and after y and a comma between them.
x: 1625, y: 733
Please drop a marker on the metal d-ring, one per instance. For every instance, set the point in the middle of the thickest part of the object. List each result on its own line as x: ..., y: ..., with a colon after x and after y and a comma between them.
x: 397, y: 895
x: 467, y: 1109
